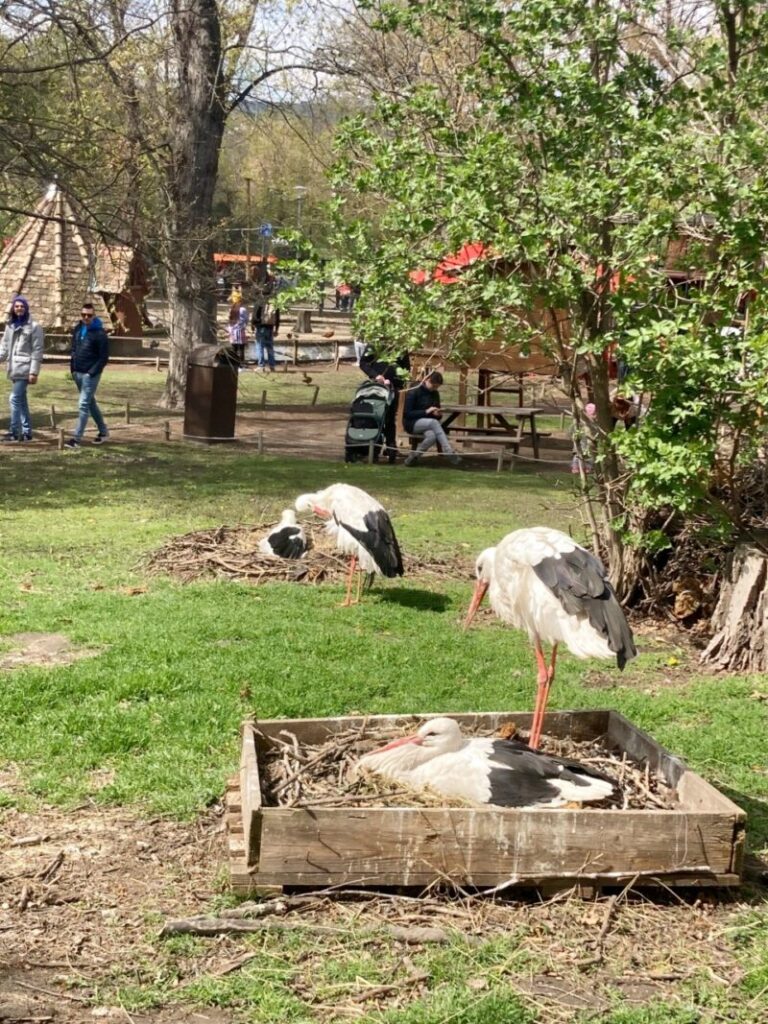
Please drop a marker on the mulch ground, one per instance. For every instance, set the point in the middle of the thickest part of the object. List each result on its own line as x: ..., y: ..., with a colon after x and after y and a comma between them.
x: 86, y: 891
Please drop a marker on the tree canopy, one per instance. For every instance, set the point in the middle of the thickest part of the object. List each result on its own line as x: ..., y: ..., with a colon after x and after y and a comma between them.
x: 611, y: 156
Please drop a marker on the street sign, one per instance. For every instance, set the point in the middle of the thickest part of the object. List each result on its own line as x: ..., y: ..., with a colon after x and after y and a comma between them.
x: 265, y: 230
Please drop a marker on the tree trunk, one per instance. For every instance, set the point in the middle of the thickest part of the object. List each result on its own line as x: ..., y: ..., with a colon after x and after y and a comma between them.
x: 196, y: 135
x: 192, y: 322
x: 740, y: 621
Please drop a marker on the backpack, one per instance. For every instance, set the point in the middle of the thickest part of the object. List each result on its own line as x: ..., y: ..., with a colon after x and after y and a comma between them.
x: 269, y: 314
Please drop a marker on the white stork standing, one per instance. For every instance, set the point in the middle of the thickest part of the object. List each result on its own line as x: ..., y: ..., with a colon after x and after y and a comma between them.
x: 543, y: 582
x: 485, y: 771
x: 287, y: 539
x: 362, y: 529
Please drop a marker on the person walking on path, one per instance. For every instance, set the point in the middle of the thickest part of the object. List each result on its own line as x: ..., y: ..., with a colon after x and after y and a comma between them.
x: 266, y: 320
x: 392, y: 373
x: 89, y: 356
x: 22, y: 348
x: 422, y: 416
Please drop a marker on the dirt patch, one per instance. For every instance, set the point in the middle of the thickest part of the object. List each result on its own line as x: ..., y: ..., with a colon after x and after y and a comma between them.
x: 677, y: 665
x: 232, y: 552
x: 84, y: 894
x: 42, y: 649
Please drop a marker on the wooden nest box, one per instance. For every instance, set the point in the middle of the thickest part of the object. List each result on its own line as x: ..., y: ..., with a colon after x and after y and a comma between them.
x: 698, y: 843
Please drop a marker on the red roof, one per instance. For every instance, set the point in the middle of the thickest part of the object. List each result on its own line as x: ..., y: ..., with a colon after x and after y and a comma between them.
x: 448, y: 270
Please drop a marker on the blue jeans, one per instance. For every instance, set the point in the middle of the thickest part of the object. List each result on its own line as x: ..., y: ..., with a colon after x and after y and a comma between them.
x: 87, y: 385
x: 20, y: 421
x: 265, y: 337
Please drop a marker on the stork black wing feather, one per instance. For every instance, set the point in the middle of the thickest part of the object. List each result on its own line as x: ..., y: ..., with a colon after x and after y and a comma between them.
x: 379, y: 541
x: 520, y: 777
x: 287, y: 542
x: 578, y: 581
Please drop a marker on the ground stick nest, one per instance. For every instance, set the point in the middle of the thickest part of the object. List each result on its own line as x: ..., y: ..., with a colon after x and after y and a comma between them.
x: 314, y: 775
x: 232, y: 552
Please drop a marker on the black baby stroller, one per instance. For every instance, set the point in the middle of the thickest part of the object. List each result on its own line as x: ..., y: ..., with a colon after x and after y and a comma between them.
x: 366, y: 421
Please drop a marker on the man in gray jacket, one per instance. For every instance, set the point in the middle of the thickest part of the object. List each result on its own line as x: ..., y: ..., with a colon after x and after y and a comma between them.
x: 22, y: 348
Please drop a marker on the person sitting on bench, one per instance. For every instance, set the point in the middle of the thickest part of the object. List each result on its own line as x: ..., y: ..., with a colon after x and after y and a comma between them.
x: 422, y: 416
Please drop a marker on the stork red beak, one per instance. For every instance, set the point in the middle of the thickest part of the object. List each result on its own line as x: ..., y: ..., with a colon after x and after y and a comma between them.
x: 401, y: 742
x: 477, y: 599
x: 324, y: 513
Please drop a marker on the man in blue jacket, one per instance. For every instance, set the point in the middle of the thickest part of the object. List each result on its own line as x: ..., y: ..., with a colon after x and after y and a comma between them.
x: 89, y: 356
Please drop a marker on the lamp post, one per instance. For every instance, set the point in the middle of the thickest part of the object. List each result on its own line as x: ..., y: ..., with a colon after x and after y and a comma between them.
x: 247, y: 229
x: 300, y: 191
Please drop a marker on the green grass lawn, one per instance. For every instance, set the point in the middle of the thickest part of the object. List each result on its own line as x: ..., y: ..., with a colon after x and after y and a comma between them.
x: 176, y: 668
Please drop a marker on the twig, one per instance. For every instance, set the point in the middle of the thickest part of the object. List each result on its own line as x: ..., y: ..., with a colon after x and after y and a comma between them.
x: 49, y: 992
x: 211, y: 926
x: 599, y: 956
x: 47, y: 873
x: 30, y: 840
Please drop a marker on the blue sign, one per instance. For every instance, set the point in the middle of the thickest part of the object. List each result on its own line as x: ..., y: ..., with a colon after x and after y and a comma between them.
x: 265, y: 230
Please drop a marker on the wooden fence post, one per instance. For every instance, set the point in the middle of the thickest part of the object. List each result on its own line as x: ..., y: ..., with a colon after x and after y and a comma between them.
x: 370, y: 453
x: 127, y: 412
x: 53, y: 416
x: 260, y: 443
x: 167, y: 430
x: 60, y: 443
x: 314, y: 396
x: 263, y: 399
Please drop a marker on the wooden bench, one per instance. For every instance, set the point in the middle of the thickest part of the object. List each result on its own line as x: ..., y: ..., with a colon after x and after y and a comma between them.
x: 508, y: 446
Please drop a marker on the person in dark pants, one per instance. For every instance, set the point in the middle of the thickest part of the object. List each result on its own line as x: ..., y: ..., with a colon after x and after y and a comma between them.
x: 393, y: 374
x: 89, y: 356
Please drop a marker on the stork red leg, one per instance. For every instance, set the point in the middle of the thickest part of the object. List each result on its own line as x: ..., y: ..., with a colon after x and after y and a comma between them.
x: 542, y: 679
x: 542, y: 704
x: 350, y: 575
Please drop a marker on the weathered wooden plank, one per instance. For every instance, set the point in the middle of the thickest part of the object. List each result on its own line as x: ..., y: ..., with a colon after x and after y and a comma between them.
x: 485, y: 846
x: 250, y: 792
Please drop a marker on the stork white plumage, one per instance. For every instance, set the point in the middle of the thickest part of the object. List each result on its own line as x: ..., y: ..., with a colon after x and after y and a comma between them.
x: 485, y: 770
x: 287, y: 539
x: 542, y: 581
x: 361, y: 528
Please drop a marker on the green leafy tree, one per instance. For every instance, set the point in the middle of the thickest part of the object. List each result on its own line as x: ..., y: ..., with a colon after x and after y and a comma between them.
x: 612, y: 157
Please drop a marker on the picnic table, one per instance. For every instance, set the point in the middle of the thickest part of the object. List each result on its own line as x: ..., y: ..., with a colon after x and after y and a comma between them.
x: 498, y: 424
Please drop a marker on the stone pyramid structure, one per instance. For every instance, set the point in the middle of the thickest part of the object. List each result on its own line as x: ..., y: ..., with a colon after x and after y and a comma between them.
x: 51, y: 261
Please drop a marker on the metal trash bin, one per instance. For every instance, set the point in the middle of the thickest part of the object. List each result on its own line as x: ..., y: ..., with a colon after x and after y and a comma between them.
x: 210, y: 403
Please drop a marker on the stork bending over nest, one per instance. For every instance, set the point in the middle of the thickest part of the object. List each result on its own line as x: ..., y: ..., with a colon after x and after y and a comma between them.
x: 361, y: 528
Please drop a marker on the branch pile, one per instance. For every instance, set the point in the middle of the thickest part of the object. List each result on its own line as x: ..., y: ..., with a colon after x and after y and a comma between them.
x: 232, y: 552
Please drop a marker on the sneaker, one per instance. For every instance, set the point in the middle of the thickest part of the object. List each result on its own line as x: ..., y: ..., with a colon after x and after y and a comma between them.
x: 27, y: 436
x: 411, y: 460
x: 455, y: 460
x: 72, y: 443
x: 100, y: 439
x: 9, y: 438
